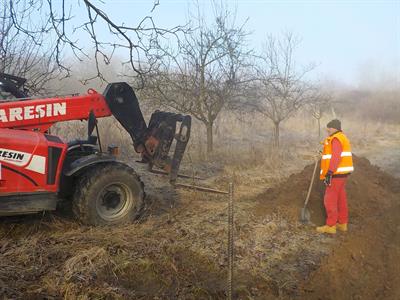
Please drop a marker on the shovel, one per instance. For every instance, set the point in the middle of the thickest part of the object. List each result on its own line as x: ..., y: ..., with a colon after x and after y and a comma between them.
x: 305, y: 213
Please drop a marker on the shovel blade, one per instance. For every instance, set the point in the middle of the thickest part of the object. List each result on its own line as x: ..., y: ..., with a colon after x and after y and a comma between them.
x: 305, y: 215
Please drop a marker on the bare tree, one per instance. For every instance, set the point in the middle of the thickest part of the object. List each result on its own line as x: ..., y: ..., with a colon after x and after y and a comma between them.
x: 282, y: 87
x: 205, y: 75
x: 318, y: 105
x: 138, y: 42
x: 22, y: 56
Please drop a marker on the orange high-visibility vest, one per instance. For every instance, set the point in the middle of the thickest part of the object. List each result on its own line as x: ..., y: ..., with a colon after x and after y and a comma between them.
x: 346, y: 161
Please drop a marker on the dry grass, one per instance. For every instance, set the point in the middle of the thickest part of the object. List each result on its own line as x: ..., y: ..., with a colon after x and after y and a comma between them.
x: 81, y: 262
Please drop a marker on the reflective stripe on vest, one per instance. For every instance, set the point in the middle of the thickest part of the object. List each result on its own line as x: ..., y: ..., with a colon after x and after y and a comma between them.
x: 345, y: 169
x: 329, y: 156
x: 346, y: 161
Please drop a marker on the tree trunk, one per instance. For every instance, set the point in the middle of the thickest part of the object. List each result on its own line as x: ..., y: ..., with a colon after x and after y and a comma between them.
x: 209, y: 137
x: 276, y: 134
x: 319, y: 129
x: 333, y: 112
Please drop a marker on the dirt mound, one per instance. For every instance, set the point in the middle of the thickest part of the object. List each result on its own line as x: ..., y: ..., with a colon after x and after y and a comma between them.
x: 362, y: 264
x: 369, y: 190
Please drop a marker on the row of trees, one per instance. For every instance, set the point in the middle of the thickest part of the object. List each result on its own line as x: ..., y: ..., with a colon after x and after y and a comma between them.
x: 213, y: 70
x: 204, y: 69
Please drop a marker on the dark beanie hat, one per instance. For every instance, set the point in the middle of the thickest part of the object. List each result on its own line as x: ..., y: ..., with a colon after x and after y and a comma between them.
x: 334, y: 124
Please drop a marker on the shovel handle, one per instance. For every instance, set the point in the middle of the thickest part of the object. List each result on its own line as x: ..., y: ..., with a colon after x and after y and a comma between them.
x: 311, y: 183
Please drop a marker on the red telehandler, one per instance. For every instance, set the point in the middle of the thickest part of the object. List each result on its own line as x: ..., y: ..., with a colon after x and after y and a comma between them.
x: 38, y: 169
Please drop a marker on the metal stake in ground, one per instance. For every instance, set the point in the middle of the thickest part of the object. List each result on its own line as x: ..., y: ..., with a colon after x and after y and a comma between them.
x: 230, y: 242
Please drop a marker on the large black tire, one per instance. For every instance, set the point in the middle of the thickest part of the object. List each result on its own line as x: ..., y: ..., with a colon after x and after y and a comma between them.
x: 108, y: 194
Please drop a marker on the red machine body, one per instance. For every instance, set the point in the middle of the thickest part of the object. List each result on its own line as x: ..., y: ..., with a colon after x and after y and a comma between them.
x: 31, y: 160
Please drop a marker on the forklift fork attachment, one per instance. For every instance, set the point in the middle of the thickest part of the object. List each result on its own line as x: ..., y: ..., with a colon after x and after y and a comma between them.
x: 153, y: 142
x: 159, y: 172
x: 201, y: 188
x: 182, y: 139
x: 163, y: 129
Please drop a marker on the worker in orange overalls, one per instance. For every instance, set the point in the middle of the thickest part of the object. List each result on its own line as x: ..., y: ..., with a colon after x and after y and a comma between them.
x: 336, y: 165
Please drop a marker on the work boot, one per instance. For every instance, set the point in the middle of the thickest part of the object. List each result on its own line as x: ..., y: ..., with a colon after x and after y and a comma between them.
x: 342, y: 227
x: 327, y: 229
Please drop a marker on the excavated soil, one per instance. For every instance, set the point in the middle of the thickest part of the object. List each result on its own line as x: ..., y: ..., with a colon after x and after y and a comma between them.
x: 369, y: 191
x: 363, y: 263
x: 178, y: 251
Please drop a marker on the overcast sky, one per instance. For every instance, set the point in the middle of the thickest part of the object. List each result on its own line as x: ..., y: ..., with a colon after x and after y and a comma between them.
x: 348, y: 40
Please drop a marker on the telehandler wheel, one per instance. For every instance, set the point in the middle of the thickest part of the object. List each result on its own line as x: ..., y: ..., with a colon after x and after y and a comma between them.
x: 108, y: 194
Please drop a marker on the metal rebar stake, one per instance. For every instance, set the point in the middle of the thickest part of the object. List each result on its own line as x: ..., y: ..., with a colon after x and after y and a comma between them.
x: 230, y: 243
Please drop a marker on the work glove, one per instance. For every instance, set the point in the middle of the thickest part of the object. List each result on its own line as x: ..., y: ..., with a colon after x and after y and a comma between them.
x: 328, y: 178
